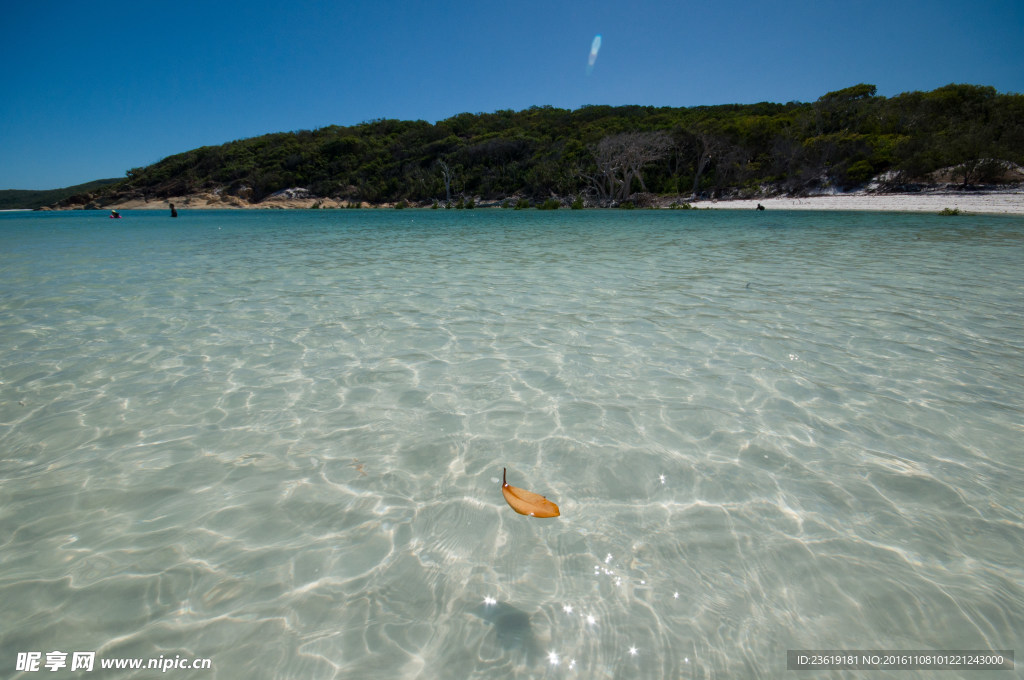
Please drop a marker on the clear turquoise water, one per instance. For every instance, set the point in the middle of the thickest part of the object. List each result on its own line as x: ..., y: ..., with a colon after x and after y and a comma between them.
x: 275, y: 439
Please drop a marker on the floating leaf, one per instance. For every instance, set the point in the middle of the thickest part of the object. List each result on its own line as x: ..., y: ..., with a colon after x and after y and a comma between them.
x: 526, y: 502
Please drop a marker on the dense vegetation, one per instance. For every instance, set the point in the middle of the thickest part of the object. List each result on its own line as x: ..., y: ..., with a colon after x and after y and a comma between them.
x: 607, y: 153
x: 13, y: 199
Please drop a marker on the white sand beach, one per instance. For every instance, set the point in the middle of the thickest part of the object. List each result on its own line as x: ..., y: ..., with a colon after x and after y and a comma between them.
x: 1010, y: 202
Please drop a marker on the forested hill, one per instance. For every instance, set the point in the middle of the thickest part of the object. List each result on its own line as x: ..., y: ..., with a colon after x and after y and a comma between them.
x: 12, y: 199
x: 959, y: 133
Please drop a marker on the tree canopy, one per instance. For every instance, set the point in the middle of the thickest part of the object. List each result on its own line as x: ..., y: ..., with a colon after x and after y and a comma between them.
x: 842, y: 141
x: 12, y: 199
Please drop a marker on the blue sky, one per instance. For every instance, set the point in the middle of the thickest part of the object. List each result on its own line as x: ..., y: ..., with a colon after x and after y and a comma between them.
x: 90, y: 90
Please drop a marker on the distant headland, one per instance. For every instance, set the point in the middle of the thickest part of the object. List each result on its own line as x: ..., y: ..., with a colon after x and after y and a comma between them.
x: 29, y: 199
x: 957, y: 139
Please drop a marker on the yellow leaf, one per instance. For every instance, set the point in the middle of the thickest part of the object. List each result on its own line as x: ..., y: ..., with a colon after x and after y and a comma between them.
x: 527, y: 502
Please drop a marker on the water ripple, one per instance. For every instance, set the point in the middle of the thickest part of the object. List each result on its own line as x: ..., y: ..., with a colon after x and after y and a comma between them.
x: 276, y: 440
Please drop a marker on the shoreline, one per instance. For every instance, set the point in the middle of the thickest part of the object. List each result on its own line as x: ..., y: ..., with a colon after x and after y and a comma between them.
x: 996, y: 202
x: 1010, y: 202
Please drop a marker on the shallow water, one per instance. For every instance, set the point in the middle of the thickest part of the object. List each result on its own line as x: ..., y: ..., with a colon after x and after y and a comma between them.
x: 275, y: 439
